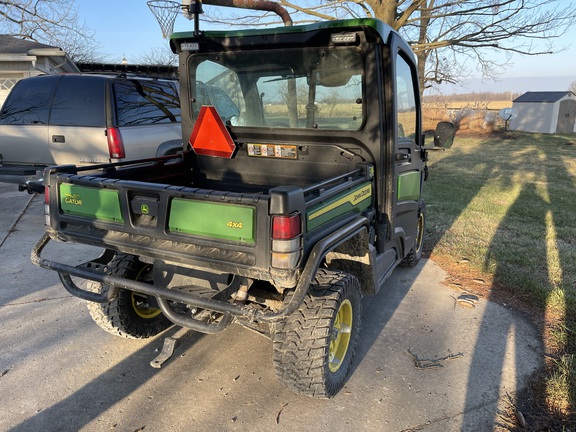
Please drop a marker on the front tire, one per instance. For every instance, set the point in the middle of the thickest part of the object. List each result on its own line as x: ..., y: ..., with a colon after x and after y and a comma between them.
x: 314, y: 347
x: 130, y: 315
x: 415, y: 254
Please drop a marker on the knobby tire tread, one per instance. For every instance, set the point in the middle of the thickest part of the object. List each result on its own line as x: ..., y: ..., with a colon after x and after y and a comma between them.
x: 301, y: 341
x: 117, y: 316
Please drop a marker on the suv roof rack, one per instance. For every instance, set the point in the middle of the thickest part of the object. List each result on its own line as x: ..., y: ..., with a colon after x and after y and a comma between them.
x: 151, y: 71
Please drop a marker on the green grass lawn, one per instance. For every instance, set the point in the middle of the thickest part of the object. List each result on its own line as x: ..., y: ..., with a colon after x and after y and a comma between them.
x: 506, y: 205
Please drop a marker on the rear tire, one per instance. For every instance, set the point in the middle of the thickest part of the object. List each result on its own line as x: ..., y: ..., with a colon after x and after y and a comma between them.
x: 314, y: 347
x: 130, y: 315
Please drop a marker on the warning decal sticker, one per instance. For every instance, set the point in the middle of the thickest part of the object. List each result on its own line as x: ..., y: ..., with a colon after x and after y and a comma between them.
x: 272, y: 151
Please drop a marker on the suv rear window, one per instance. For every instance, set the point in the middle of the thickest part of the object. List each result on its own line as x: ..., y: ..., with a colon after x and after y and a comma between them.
x: 79, y: 101
x: 29, y: 101
x: 141, y: 102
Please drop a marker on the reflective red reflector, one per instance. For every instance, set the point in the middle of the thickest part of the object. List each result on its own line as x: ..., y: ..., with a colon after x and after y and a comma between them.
x: 46, y: 195
x: 115, y: 143
x: 210, y: 136
x: 285, y: 227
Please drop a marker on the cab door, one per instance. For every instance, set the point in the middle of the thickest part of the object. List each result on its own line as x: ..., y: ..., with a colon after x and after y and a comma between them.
x: 407, y: 155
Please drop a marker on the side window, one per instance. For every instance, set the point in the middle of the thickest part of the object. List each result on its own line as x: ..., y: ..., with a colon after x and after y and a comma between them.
x: 79, y: 101
x: 140, y: 102
x: 405, y: 99
x: 29, y: 102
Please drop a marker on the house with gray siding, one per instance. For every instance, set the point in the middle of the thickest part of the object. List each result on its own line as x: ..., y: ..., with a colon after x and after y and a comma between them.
x: 20, y: 58
x: 545, y: 112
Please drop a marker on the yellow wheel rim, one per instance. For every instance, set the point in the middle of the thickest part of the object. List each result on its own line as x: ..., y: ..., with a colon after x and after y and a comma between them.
x: 141, y: 307
x: 140, y: 302
x: 420, y: 233
x: 340, y: 337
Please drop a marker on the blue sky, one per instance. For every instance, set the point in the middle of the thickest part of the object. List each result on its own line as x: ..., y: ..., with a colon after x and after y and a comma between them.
x: 128, y: 28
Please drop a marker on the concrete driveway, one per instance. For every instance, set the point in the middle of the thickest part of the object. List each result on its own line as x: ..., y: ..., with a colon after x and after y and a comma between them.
x: 425, y: 363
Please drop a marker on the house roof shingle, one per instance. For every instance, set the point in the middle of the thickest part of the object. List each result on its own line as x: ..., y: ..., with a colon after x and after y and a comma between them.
x: 13, y: 45
x: 542, y: 96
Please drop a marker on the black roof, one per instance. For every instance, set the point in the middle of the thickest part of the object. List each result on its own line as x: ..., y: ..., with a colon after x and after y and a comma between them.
x: 14, y: 45
x: 146, y: 70
x: 542, y: 96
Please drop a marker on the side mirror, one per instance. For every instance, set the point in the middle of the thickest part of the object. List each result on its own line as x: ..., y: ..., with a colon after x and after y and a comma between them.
x: 444, y: 135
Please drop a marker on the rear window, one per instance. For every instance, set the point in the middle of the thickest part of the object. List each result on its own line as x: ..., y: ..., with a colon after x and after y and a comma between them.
x: 29, y: 101
x: 315, y: 88
x: 142, y: 102
x: 79, y: 101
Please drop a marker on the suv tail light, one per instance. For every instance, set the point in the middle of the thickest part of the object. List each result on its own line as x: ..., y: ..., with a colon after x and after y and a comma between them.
x: 286, y: 241
x: 115, y: 143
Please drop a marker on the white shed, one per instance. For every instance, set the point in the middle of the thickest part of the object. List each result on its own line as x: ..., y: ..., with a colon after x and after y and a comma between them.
x: 22, y: 59
x: 545, y: 112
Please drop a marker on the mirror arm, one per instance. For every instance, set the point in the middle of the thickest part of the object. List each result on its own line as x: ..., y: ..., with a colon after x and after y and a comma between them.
x: 433, y: 148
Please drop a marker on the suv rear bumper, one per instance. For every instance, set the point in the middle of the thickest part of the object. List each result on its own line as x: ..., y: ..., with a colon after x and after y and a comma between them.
x: 27, y: 177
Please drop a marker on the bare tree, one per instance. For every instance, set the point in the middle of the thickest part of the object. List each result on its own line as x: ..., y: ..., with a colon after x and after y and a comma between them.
x: 572, y: 87
x: 451, y: 38
x: 51, y: 22
x: 158, y: 56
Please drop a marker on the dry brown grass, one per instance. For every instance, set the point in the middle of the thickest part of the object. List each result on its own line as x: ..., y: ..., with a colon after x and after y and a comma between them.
x: 477, y: 118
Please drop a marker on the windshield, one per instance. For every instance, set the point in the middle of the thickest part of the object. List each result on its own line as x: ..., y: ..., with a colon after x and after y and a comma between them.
x: 310, y: 88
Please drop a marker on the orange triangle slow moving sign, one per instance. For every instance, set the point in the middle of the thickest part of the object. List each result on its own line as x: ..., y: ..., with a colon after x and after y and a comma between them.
x: 210, y: 136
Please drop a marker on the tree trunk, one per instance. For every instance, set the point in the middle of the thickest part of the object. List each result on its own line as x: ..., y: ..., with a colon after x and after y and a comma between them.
x: 422, y: 54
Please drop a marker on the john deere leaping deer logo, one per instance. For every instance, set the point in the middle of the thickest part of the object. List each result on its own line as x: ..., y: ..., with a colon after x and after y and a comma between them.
x: 73, y: 199
x: 144, y: 209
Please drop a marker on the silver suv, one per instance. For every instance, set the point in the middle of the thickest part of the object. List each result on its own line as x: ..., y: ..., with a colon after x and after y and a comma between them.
x: 89, y: 119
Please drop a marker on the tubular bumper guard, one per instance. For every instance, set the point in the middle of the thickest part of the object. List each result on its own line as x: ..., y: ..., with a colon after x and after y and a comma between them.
x: 164, y: 295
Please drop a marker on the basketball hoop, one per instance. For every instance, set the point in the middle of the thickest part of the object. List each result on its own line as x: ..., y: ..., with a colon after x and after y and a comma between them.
x: 165, y: 12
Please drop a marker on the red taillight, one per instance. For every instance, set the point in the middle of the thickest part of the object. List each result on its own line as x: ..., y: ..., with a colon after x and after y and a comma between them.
x: 286, y: 241
x: 46, y: 206
x: 115, y: 143
x: 285, y: 227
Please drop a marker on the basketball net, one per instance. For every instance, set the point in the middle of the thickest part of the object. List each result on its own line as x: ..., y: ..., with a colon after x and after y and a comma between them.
x: 165, y: 12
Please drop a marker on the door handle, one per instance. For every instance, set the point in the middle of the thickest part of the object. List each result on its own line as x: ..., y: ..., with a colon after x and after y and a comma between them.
x: 403, y: 157
x: 58, y: 139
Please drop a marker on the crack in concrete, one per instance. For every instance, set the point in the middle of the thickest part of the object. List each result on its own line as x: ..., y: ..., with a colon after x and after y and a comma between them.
x: 36, y: 301
x: 15, y: 224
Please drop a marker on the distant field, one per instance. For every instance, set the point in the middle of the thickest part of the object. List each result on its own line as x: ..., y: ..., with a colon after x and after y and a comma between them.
x: 496, y: 105
x: 470, y: 116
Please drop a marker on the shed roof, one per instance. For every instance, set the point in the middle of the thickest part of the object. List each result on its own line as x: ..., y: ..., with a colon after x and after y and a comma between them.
x: 543, y: 96
x: 13, y: 45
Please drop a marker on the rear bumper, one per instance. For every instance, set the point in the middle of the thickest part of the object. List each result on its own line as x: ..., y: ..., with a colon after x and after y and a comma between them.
x: 25, y: 176
x: 96, y: 271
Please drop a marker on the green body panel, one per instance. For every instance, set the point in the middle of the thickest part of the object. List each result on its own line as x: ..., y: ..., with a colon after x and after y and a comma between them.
x: 357, y: 200
x: 101, y: 204
x: 409, y: 186
x: 206, y: 219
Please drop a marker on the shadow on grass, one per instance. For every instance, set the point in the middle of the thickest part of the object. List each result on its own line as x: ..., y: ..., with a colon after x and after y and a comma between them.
x: 529, y: 251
